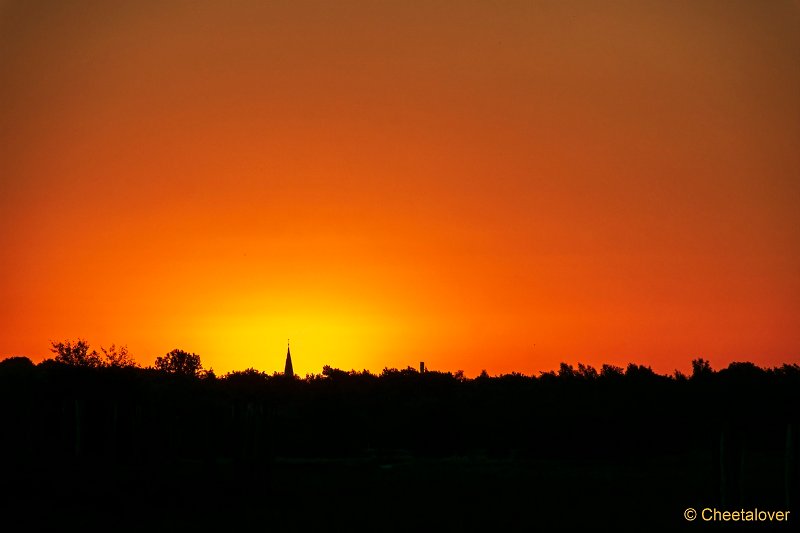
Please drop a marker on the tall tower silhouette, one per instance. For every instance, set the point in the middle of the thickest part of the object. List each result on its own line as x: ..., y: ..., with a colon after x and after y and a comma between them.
x: 288, y: 371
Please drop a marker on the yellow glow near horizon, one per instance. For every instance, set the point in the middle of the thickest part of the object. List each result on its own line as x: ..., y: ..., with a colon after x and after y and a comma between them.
x: 340, y: 339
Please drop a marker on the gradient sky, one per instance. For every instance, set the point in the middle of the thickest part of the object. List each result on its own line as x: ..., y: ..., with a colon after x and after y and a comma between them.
x: 480, y: 185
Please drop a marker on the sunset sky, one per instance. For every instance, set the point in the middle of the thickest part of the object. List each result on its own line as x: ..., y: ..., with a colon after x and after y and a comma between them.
x: 479, y: 185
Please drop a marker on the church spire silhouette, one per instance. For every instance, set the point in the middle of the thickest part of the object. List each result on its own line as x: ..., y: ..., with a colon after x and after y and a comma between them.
x: 288, y: 371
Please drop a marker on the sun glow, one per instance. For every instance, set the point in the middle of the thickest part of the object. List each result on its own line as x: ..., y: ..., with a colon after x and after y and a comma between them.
x: 341, y: 338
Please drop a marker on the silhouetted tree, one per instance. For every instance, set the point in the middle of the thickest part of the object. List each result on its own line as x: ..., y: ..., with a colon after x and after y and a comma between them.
x: 611, y: 371
x: 180, y: 363
x: 118, y: 357
x: 76, y: 354
x: 638, y: 371
x: 565, y: 371
x: 586, y: 371
x: 743, y: 371
x: 701, y: 369
x: 17, y: 362
x: 246, y: 377
x: 333, y: 373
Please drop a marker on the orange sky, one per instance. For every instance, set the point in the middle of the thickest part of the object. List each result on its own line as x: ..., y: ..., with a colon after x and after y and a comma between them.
x: 479, y: 185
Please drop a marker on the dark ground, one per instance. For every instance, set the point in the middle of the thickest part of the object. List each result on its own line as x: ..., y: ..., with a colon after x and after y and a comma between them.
x: 397, y: 493
x: 133, y: 450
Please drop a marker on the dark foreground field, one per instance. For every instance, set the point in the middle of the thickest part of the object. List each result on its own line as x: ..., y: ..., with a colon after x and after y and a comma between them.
x: 475, y: 493
x: 131, y: 449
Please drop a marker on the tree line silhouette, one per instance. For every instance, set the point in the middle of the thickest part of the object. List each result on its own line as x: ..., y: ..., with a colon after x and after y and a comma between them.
x: 724, y: 437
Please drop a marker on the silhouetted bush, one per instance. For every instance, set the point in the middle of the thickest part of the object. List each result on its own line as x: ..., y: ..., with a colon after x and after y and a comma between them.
x: 180, y: 363
x: 76, y: 353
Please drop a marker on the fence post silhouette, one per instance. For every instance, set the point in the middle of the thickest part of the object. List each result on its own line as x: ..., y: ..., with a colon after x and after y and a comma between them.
x: 113, y: 430
x: 790, y: 466
x: 732, y: 458
x: 78, y: 427
x: 723, y: 471
x: 742, y: 442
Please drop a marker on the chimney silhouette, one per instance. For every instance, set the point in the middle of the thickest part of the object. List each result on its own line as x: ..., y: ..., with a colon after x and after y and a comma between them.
x: 288, y: 370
